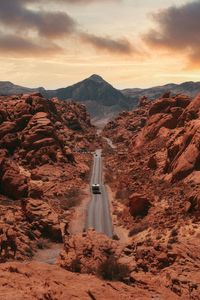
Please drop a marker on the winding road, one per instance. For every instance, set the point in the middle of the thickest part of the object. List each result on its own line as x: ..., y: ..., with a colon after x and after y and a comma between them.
x: 99, y: 211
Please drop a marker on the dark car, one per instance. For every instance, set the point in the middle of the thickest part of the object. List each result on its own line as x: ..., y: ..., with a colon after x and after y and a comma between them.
x: 96, y: 188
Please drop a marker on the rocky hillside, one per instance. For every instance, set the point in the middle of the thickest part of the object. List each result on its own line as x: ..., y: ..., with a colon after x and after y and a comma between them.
x: 155, y: 173
x: 101, y: 99
x: 43, y: 170
x: 42, y: 166
x: 7, y: 88
x: 34, y: 281
x: 190, y: 88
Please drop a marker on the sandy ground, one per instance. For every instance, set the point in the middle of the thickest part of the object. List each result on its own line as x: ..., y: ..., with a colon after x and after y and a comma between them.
x: 120, y: 231
x: 78, y: 220
x: 77, y: 225
x: 48, y: 255
x: 100, y: 123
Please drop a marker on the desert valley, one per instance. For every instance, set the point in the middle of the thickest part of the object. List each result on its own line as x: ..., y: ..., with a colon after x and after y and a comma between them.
x: 151, y: 171
x: 99, y: 150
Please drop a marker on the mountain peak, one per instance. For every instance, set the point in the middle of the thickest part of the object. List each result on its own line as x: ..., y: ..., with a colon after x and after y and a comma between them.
x: 96, y: 78
x: 6, y: 83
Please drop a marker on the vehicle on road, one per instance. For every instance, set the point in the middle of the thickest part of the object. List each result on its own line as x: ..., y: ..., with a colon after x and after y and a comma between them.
x: 96, y: 188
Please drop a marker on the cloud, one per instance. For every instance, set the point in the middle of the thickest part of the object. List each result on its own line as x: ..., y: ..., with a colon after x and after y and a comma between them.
x: 71, y: 1
x: 23, y: 22
x: 13, y: 14
x: 88, y: 1
x: 178, y: 31
x: 19, y: 46
x: 119, y: 46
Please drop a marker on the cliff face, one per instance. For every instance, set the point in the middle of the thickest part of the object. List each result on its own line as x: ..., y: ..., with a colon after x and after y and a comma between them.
x: 42, y: 166
x: 156, y: 176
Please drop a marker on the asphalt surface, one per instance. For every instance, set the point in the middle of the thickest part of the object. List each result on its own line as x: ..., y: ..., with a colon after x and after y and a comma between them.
x: 98, y: 211
x: 110, y: 143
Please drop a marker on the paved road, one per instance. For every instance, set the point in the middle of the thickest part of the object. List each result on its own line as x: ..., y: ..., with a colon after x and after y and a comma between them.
x: 98, y: 211
x: 110, y: 143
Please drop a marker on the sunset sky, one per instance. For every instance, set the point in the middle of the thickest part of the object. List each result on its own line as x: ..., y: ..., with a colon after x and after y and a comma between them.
x: 131, y: 43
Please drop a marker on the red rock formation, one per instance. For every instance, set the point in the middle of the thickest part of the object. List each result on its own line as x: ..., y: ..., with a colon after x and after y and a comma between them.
x: 43, y: 218
x: 139, y: 205
x: 89, y: 249
x: 12, y: 183
x: 40, y: 164
x: 161, y: 165
x: 33, y: 281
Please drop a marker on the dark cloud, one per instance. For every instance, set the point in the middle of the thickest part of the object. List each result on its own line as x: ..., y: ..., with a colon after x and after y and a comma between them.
x: 88, y: 1
x: 178, y: 30
x: 120, y: 46
x: 71, y: 1
x: 24, y: 21
x: 19, y: 46
x: 13, y: 14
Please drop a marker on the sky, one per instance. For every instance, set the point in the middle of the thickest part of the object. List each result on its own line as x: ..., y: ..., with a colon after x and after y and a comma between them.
x: 130, y: 43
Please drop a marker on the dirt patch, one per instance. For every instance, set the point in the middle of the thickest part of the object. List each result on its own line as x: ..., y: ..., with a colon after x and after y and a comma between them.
x: 121, y: 232
x: 78, y: 219
x: 48, y: 255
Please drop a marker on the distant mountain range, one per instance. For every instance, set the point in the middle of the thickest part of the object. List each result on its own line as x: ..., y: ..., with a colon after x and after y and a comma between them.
x: 102, y: 100
x: 190, y: 88
x: 7, y: 88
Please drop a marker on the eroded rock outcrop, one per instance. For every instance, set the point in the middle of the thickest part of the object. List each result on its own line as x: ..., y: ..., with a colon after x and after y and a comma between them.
x: 139, y: 205
x: 156, y: 176
x: 88, y: 250
x: 41, y: 165
x: 12, y: 182
x: 43, y: 218
x: 33, y: 281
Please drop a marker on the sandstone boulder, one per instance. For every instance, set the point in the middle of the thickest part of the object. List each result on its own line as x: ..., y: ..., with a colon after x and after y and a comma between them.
x: 185, y: 156
x: 138, y: 205
x: 191, y: 112
x: 7, y: 127
x: 152, y: 163
x: 44, y: 218
x: 87, y: 250
x: 12, y: 183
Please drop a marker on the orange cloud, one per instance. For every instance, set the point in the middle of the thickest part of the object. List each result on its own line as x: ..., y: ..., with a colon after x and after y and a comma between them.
x: 119, y: 46
x: 49, y: 26
x: 178, y: 31
x: 19, y: 46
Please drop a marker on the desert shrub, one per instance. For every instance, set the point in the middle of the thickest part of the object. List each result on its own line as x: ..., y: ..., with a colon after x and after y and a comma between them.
x: 70, y: 199
x: 29, y: 252
x: 30, y: 234
x: 42, y: 244
x: 113, y: 270
x: 174, y: 232
x: 121, y: 195
x: 75, y: 266
x: 137, y: 229
x: 108, y: 176
x: 54, y: 235
x: 69, y: 203
x: 172, y: 240
x: 115, y: 237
